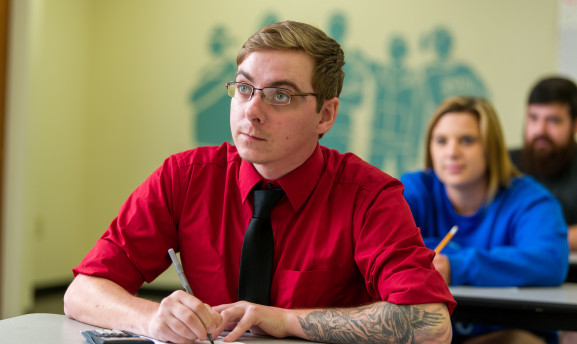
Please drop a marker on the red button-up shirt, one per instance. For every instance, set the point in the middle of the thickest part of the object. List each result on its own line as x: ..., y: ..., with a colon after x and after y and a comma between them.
x: 344, y: 235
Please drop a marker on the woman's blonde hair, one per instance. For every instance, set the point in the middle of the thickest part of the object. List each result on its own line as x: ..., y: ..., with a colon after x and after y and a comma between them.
x: 500, y: 169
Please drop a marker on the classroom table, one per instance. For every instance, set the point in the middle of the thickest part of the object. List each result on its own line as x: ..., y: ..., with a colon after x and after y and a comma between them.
x: 544, y: 308
x: 58, y: 329
x: 548, y: 308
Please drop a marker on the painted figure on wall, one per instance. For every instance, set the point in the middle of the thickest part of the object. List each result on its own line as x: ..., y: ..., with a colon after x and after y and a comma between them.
x: 212, y: 105
x: 357, y: 93
x: 398, y: 116
x: 444, y: 76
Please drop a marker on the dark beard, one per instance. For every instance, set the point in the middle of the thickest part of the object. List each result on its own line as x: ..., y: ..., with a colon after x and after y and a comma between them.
x: 547, y: 164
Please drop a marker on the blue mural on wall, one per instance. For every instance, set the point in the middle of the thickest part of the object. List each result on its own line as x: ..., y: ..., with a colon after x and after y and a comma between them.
x: 444, y: 76
x: 398, y: 114
x: 211, y: 103
x: 357, y: 76
x: 388, y: 99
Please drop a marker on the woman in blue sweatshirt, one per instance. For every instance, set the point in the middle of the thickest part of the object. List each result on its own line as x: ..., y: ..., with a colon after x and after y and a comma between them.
x: 511, y: 230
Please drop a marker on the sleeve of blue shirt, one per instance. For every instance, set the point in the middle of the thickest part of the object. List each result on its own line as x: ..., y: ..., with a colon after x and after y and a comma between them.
x: 520, y: 239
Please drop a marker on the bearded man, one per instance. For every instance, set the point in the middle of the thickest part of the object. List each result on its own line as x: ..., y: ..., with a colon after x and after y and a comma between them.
x: 549, y: 153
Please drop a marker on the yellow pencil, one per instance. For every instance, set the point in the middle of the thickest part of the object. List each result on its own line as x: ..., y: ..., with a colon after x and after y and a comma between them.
x: 446, y: 239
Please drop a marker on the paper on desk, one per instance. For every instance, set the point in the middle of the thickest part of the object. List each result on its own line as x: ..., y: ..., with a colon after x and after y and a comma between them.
x: 217, y: 341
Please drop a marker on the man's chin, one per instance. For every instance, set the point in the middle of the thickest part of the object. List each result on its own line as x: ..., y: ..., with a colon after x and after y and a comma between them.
x: 546, y: 160
x: 251, y: 156
x: 542, y: 153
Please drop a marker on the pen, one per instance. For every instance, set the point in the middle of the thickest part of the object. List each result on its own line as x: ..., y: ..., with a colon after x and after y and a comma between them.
x: 183, y: 280
x: 446, y: 239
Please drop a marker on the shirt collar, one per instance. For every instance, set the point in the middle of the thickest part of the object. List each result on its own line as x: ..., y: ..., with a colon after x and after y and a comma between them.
x: 297, y: 184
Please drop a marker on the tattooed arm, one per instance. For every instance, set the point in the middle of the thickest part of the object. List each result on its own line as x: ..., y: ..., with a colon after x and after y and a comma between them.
x: 380, y: 322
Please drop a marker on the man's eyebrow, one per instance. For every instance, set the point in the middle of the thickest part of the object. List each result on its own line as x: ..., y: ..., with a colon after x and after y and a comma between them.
x: 278, y: 83
x: 245, y: 75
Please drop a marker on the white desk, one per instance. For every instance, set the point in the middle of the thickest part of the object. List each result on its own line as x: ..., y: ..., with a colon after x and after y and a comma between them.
x: 57, y: 329
x: 547, y: 308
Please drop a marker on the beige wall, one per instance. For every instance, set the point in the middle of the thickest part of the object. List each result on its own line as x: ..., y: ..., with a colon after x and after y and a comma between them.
x: 45, y: 157
x: 99, y: 97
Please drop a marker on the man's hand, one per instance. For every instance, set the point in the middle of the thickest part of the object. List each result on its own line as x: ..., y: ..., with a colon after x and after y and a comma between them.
x: 443, y: 266
x: 241, y: 316
x: 179, y: 318
x: 182, y: 318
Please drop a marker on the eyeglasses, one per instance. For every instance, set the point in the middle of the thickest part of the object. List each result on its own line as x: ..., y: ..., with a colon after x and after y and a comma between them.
x: 271, y: 95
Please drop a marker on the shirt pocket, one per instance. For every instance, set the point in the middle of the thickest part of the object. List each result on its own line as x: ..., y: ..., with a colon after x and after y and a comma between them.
x: 318, y: 288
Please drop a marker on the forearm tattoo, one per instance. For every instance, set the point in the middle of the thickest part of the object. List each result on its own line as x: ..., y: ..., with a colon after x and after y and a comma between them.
x: 376, y: 323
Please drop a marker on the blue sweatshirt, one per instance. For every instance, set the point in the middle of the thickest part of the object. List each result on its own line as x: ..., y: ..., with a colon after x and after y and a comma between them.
x: 519, y: 239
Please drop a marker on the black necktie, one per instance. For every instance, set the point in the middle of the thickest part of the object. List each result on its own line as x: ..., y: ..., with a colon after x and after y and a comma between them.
x: 257, y: 250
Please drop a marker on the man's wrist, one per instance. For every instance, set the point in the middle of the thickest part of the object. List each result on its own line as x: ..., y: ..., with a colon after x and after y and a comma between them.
x: 293, y: 319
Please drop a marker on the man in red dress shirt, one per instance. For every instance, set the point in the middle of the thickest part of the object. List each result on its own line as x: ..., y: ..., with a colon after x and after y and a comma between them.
x: 349, y: 263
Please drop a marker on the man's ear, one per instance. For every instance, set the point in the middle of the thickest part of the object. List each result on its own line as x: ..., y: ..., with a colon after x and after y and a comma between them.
x: 328, y: 115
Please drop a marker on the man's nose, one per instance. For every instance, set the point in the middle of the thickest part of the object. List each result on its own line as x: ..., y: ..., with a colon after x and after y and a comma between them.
x: 539, y: 127
x: 254, y: 107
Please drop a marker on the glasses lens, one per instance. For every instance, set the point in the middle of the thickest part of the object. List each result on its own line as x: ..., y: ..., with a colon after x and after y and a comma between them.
x: 240, y: 90
x: 230, y: 88
x: 244, y: 90
x: 276, y: 96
